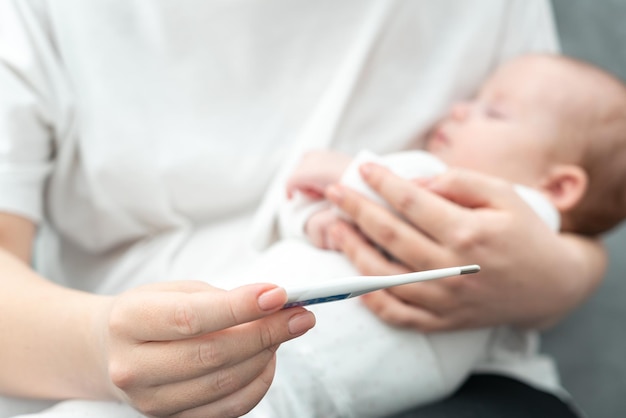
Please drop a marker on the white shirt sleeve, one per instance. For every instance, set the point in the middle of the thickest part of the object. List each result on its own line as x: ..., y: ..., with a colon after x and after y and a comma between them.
x: 26, y: 109
x: 529, y: 26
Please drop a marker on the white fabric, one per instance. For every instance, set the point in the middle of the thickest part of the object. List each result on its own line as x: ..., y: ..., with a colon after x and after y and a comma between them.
x: 142, y: 135
x: 354, y: 364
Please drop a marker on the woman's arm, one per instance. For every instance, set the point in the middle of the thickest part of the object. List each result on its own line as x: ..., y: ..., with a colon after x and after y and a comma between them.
x: 164, y: 348
x: 42, y: 322
x: 530, y: 276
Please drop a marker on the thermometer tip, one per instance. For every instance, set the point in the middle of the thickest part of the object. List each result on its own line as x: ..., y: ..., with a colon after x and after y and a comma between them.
x: 475, y: 268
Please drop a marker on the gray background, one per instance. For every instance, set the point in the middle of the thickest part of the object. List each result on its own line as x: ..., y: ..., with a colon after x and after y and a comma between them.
x: 590, y: 346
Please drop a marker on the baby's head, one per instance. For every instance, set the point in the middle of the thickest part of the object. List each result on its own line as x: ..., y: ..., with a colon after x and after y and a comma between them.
x: 552, y: 123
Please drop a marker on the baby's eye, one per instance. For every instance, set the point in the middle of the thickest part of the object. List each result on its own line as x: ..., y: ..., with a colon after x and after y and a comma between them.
x: 494, y: 112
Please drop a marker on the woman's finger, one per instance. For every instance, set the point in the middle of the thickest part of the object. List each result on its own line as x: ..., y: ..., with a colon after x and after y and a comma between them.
x: 238, y: 403
x: 442, y: 207
x: 397, y: 313
x: 368, y: 260
x: 431, y: 213
x: 173, y: 398
x: 423, y: 306
x: 168, y: 315
x: 399, y: 238
x: 472, y: 189
x: 438, y: 297
x: 195, y: 344
x: 163, y: 362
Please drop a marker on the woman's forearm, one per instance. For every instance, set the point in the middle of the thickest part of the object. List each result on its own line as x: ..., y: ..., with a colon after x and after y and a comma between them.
x: 50, y: 344
x: 574, y: 277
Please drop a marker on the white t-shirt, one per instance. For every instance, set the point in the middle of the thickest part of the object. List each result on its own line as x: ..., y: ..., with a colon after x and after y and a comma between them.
x: 142, y: 136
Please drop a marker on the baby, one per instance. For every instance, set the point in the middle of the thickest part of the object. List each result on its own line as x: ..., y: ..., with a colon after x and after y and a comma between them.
x: 554, y: 127
x: 549, y: 123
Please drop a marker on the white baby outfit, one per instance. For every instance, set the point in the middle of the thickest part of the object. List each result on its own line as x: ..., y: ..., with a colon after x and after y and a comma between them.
x: 350, y: 354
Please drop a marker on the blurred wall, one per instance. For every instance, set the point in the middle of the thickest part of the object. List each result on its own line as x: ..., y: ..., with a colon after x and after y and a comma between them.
x: 590, y: 346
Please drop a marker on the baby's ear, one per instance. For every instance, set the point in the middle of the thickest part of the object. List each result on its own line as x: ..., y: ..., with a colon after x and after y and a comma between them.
x: 565, y: 185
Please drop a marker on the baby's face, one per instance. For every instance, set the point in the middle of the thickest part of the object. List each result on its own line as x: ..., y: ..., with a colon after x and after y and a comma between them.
x: 507, y: 130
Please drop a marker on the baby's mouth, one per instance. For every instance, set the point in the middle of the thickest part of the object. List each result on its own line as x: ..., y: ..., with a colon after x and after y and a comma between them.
x: 439, y: 138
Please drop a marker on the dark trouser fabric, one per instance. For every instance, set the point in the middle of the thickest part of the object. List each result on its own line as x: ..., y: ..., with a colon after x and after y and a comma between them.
x: 494, y: 396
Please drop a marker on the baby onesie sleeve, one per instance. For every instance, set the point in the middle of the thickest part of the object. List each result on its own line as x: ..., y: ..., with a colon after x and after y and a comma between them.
x: 410, y: 164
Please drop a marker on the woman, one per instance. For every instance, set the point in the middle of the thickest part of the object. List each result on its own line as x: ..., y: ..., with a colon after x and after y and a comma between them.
x: 138, y: 137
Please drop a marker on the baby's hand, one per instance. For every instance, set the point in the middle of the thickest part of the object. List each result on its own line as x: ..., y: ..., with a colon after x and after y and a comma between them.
x: 317, y: 170
x: 317, y: 228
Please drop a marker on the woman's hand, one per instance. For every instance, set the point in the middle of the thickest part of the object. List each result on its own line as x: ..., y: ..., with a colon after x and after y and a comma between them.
x: 530, y: 276
x: 189, y: 349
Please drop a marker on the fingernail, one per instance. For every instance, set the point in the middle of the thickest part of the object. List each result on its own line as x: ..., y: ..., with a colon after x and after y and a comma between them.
x: 272, y: 299
x: 334, y: 193
x: 301, y: 322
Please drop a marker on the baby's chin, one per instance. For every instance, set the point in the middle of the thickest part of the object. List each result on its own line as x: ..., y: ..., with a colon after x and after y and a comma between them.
x: 441, y: 151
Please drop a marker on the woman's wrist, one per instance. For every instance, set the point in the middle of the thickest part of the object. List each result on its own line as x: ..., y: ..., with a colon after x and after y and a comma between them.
x: 83, y: 367
x: 573, y: 279
x: 96, y: 333
x: 588, y: 263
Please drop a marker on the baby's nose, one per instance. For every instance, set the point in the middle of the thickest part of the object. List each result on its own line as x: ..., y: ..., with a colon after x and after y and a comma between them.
x: 459, y: 111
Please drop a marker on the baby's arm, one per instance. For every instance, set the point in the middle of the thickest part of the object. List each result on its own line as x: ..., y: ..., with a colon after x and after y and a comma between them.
x: 307, y: 213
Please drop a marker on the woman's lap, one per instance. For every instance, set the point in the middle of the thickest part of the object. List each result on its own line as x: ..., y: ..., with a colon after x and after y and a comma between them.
x: 495, y: 396
x: 482, y: 396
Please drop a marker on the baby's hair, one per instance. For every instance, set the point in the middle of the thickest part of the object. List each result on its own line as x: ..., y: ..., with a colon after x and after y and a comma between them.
x: 603, y: 135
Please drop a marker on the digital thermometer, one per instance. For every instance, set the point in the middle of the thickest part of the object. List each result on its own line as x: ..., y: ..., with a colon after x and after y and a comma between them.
x: 349, y: 287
